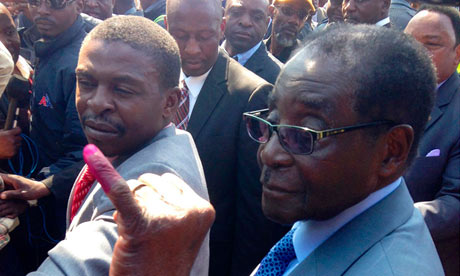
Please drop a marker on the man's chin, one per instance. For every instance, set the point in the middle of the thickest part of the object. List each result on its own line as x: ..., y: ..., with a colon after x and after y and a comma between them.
x: 286, y: 41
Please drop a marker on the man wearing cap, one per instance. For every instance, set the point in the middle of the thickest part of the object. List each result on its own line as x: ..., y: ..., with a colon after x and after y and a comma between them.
x: 288, y: 17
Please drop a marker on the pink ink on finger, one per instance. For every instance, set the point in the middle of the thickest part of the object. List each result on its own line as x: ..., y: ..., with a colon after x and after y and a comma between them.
x: 100, y: 167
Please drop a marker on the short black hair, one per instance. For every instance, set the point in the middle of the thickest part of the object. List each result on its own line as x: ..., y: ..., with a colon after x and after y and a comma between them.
x: 146, y: 36
x: 392, y: 76
x: 450, y: 12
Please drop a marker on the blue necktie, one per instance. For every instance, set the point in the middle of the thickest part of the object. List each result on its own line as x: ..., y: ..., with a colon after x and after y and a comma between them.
x: 279, y: 257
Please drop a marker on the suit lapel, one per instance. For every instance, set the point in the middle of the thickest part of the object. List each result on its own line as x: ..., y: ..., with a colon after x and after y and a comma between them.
x: 444, y: 96
x: 210, y: 95
x: 342, y: 249
x: 254, y: 63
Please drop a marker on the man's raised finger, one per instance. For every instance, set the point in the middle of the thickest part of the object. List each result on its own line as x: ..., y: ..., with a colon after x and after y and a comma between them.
x: 114, y: 186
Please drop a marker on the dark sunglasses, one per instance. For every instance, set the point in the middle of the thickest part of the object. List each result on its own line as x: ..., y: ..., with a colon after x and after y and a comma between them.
x: 293, y: 139
x: 288, y: 11
x: 53, y: 4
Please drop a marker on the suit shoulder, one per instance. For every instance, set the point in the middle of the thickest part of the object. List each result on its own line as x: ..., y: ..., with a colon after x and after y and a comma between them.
x: 408, y: 250
x: 242, y: 79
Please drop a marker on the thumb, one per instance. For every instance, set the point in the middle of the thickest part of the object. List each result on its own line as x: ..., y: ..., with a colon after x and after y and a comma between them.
x: 14, y: 194
x: 114, y: 186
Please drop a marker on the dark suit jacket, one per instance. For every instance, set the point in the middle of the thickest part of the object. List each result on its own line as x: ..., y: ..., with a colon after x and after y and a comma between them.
x: 434, y: 182
x: 225, y: 149
x: 254, y: 233
x: 264, y: 64
x: 156, y: 9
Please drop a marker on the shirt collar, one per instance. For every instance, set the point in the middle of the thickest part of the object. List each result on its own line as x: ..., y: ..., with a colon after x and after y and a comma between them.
x: 194, y: 83
x: 383, y: 22
x: 244, y: 57
x: 312, y: 233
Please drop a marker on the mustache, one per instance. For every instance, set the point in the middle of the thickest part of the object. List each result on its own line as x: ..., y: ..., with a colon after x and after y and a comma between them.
x: 43, y: 20
x: 104, y: 119
x: 266, y: 174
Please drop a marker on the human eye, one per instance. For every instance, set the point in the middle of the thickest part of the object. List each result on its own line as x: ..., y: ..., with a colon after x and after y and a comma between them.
x: 205, y: 35
x: 258, y: 16
x: 85, y: 83
x: 180, y: 35
x: 10, y: 31
x: 236, y: 12
x: 123, y: 91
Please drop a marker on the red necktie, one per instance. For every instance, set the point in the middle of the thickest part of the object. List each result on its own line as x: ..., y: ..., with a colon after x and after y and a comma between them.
x: 84, y: 183
x: 181, y: 118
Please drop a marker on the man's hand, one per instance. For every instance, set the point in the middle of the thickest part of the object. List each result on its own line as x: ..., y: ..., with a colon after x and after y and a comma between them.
x: 23, y: 188
x: 12, y: 208
x: 10, y: 141
x: 161, y: 223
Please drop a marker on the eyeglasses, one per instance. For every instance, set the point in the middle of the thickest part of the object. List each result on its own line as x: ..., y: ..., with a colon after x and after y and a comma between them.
x: 294, y: 139
x: 53, y: 4
x: 288, y: 11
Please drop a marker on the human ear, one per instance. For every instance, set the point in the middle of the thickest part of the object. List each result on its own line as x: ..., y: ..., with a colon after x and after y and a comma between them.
x: 398, y: 142
x: 79, y: 6
x: 385, y: 7
x: 171, y: 102
x: 457, y: 54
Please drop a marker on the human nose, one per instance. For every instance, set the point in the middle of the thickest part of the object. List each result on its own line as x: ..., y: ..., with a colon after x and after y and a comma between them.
x: 246, y: 20
x: 192, y: 47
x: 100, y: 100
x: 273, y: 155
x: 43, y: 7
x: 91, y: 3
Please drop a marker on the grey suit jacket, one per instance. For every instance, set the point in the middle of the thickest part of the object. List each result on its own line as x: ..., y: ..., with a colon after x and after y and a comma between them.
x: 434, y: 181
x: 264, y: 64
x: 400, y: 13
x: 91, y: 236
x: 390, y: 238
x: 227, y: 153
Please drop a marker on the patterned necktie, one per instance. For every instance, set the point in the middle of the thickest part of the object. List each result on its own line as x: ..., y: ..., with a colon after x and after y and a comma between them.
x: 181, y: 118
x: 84, y: 184
x: 279, y: 257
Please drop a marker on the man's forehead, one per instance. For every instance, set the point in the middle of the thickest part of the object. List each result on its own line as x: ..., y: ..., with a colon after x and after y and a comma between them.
x: 307, y: 4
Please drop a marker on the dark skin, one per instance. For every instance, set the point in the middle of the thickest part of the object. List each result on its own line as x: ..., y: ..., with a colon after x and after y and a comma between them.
x: 286, y: 27
x: 247, y: 22
x: 108, y: 91
x: 198, y: 40
x: 160, y: 217
x: 343, y: 169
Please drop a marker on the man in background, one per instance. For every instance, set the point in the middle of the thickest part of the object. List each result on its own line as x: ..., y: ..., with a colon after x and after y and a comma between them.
x: 288, y: 17
x: 246, y: 25
x: 434, y: 178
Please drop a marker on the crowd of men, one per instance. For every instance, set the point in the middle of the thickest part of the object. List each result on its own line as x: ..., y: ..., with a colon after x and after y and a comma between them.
x: 281, y: 137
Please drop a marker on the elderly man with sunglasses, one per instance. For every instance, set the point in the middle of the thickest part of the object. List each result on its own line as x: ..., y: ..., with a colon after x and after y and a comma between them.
x: 288, y: 17
x: 342, y: 127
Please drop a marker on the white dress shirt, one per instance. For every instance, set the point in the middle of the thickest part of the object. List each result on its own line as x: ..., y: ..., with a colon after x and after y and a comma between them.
x: 194, y: 85
x: 310, y: 234
x: 383, y: 22
x: 244, y: 57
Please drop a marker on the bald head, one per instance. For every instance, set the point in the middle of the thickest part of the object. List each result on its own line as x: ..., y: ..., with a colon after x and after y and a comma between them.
x: 172, y: 6
x: 197, y: 27
x: 434, y: 28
